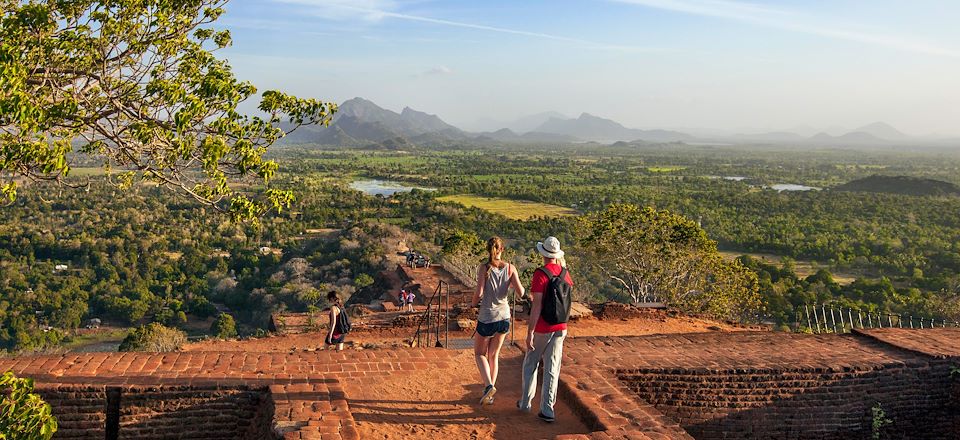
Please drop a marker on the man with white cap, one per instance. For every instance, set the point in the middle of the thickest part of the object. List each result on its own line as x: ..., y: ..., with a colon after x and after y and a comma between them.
x: 551, y: 288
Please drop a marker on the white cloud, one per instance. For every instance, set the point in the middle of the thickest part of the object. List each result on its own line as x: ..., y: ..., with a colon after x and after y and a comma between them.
x: 367, y: 10
x: 439, y: 70
x: 376, y: 10
x: 792, y: 21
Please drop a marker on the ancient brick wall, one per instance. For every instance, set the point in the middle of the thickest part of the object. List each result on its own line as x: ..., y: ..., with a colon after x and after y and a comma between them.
x: 769, y: 385
x: 820, y: 403
x: 186, y: 412
x: 148, y: 413
x: 80, y: 409
x: 955, y: 407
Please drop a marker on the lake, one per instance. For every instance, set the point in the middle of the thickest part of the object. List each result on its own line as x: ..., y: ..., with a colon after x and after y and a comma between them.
x: 384, y: 188
x: 792, y: 187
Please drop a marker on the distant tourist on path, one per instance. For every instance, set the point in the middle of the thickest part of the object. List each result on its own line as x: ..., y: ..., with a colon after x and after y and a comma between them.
x: 337, y: 322
x: 494, y: 279
x: 410, y: 298
x: 552, y: 290
x: 403, y: 299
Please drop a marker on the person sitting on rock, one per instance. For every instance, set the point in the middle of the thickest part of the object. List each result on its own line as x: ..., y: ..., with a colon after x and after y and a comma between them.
x: 494, y: 280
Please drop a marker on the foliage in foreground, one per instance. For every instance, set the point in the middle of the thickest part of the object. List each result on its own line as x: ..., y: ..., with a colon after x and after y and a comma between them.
x: 154, y: 337
x: 658, y: 255
x: 136, y: 84
x: 23, y: 414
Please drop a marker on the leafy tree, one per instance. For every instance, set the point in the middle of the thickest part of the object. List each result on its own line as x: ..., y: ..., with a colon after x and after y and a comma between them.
x: 224, y: 327
x: 655, y: 254
x: 136, y: 83
x: 154, y: 337
x: 23, y: 414
x: 462, y: 242
x: 362, y: 281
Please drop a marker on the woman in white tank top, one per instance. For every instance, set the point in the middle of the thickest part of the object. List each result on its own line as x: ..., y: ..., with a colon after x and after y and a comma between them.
x: 494, y: 279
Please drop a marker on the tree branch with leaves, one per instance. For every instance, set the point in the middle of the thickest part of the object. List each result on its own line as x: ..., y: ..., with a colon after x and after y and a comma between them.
x: 137, y: 84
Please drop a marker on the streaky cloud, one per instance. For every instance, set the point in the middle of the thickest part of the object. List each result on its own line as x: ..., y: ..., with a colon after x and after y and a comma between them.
x: 790, y: 21
x: 368, y: 13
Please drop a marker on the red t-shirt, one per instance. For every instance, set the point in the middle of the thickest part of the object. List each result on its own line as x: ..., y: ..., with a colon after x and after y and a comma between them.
x: 538, y: 285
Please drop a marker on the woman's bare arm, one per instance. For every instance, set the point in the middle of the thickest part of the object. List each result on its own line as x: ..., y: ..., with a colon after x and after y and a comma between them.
x: 515, y: 282
x: 333, y: 321
x: 481, y: 281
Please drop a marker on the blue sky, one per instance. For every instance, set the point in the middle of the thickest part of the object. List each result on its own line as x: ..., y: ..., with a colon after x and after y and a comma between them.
x: 717, y: 64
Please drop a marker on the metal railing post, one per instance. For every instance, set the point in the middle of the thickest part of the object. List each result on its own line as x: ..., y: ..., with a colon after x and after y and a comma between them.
x: 446, y: 314
x: 823, y: 311
x: 834, y: 320
x: 816, y: 319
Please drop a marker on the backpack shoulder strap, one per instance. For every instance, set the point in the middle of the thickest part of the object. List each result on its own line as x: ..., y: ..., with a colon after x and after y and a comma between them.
x: 550, y: 276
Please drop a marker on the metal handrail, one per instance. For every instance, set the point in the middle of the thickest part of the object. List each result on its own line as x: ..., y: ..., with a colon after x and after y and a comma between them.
x: 427, y: 317
x: 819, y: 320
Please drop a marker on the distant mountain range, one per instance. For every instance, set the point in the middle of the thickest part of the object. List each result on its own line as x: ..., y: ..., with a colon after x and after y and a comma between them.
x: 360, y: 122
x: 593, y: 128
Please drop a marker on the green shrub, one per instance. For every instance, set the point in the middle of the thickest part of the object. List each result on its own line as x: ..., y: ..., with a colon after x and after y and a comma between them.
x: 154, y: 337
x: 878, y: 421
x: 224, y: 327
x: 23, y: 414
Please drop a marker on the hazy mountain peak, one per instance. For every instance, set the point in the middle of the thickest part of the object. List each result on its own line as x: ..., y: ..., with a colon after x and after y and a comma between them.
x: 881, y: 130
x: 363, y: 108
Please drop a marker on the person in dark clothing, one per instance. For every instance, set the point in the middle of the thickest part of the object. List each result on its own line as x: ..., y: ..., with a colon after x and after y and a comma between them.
x: 336, y: 334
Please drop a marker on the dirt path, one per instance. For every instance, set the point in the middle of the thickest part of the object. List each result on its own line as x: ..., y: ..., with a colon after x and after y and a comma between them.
x: 443, y: 405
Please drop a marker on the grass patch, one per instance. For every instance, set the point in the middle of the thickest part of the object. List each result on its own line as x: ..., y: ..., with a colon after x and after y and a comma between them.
x: 87, y: 171
x: 803, y: 268
x: 665, y: 169
x: 513, y: 209
x: 72, y: 342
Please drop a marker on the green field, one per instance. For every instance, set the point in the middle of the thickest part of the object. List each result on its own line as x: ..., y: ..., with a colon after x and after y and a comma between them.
x: 514, y: 209
x: 665, y: 169
x: 803, y: 268
x: 86, y: 171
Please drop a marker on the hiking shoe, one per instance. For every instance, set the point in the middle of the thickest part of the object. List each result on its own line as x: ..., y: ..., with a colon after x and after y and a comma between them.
x: 546, y: 418
x: 488, y: 393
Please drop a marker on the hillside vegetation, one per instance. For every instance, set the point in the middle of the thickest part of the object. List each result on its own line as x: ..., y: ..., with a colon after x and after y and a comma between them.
x: 906, y: 185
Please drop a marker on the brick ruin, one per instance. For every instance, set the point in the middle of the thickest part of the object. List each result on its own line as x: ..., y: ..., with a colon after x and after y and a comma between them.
x: 769, y: 385
x: 703, y: 386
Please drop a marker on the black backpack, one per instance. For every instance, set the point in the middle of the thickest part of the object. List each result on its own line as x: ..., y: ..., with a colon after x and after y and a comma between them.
x: 343, y: 321
x: 557, y: 298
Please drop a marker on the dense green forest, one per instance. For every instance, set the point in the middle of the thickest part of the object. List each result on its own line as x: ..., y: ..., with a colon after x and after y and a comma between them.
x: 142, y: 254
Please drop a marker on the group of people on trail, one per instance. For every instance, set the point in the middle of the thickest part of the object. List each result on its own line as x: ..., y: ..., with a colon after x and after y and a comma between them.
x: 416, y: 259
x: 406, y: 298
x: 551, y: 290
